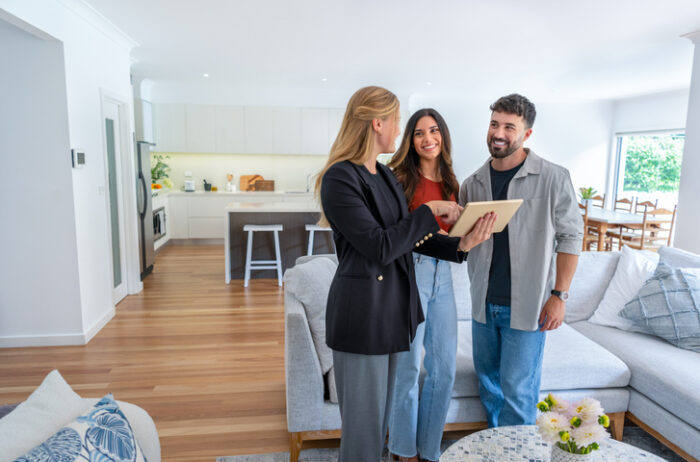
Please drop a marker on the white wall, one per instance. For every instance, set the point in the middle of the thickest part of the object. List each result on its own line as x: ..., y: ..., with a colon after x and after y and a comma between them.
x: 574, y: 135
x: 689, y: 190
x: 39, y: 281
x: 97, y: 62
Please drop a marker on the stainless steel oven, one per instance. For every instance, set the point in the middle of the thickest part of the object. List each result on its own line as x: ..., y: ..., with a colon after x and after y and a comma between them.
x: 159, y: 225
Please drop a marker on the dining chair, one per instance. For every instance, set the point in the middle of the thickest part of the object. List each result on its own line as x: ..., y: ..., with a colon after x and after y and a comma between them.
x: 590, y: 233
x: 640, y: 207
x: 656, y: 230
x: 624, y: 204
x: 598, y: 201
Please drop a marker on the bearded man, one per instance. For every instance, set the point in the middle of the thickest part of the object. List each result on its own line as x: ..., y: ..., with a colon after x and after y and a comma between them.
x: 521, y: 276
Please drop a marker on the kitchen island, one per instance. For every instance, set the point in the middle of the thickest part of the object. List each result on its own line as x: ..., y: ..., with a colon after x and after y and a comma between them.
x: 293, y: 216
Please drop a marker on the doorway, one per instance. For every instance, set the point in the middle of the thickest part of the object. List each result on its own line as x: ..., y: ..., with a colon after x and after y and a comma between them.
x: 114, y: 151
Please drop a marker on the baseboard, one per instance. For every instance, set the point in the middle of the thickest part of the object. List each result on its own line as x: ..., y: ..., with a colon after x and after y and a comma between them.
x: 57, y: 339
x: 195, y: 242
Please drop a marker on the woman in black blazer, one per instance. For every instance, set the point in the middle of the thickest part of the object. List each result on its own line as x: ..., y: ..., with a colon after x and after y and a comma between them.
x: 373, y: 304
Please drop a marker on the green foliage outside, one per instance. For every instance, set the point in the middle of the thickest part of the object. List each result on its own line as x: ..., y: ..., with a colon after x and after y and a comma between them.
x: 653, y: 163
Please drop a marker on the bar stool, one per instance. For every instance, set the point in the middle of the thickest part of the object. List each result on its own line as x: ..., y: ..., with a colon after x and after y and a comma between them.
x: 250, y: 264
x: 312, y: 229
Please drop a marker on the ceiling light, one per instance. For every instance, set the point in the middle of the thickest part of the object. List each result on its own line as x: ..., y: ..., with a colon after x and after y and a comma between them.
x: 324, y: 79
x: 205, y: 75
x: 428, y: 83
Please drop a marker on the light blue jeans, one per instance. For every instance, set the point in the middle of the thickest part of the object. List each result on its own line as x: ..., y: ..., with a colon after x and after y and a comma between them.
x: 415, y: 425
x: 508, y: 363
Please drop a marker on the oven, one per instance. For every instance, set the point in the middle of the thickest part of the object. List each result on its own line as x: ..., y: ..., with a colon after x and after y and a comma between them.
x: 159, y: 226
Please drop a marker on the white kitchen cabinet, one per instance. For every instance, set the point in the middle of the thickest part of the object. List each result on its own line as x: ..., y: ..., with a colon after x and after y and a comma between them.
x: 314, y: 131
x: 170, y: 127
x: 178, y: 226
x: 229, y: 129
x: 286, y: 130
x: 335, y: 120
x: 258, y: 130
x: 201, y: 127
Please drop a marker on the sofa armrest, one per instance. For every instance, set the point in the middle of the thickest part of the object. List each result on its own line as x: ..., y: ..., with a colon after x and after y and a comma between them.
x: 303, y: 376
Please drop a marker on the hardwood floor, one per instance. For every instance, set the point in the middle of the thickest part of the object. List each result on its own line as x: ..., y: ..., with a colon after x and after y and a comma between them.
x: 206, y: 360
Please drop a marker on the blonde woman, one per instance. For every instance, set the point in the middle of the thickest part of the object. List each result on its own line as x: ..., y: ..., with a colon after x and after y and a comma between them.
x: 373, y: 306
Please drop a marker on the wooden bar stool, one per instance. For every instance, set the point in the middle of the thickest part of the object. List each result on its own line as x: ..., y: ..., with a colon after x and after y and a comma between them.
x: 250, y: 264
x: 312, y: 229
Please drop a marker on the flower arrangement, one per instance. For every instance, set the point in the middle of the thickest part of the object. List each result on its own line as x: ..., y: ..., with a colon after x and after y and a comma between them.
x: 160, y: 171
x: 577, y: 428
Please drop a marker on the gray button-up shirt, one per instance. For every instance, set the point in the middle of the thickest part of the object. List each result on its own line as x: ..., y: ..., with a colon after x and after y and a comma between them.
x: 548, y: 222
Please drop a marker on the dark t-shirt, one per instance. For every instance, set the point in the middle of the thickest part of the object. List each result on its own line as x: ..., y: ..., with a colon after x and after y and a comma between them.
x: 499, y: 275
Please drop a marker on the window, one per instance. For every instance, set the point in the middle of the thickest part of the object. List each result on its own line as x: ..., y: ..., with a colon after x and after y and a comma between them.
x: 648, y: 167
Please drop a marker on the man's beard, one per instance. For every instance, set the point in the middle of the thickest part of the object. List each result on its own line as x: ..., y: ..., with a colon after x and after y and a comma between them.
x: 504, y: 151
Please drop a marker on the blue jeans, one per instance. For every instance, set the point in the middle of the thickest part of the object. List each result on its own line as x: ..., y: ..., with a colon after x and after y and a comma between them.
x: 415, y: 425
x: 508, y: 363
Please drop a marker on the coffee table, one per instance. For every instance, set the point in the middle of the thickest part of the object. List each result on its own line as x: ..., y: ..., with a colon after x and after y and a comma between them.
x: 523, y: 443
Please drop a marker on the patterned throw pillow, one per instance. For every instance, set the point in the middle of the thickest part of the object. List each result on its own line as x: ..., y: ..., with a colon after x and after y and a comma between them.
x: 101, y: 434
x: 668, y: 306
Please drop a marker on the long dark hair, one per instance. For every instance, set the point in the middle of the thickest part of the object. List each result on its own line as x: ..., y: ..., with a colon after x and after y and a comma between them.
x: 406, y: 161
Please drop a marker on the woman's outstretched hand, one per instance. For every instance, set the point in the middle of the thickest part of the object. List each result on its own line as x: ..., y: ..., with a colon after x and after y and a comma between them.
x: 482, y: 230
x: 448, y: 211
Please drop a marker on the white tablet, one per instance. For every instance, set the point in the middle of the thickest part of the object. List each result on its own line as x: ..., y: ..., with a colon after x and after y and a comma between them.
x: 475, y: 210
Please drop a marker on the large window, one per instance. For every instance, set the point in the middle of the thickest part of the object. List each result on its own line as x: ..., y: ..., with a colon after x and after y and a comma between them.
x: 649, y: 167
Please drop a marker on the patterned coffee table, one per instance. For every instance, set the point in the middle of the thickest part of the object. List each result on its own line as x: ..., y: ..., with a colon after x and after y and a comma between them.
x: 523, y: 443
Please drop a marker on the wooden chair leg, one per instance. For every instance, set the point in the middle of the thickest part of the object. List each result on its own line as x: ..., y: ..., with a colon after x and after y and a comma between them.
x: 295, y: 443
x: 617, y: 424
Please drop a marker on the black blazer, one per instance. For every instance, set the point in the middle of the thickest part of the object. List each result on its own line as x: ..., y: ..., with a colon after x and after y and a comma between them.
x: 373, y: 303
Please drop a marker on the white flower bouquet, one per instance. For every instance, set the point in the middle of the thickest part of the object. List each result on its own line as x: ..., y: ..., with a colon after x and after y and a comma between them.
x: 576, y: 428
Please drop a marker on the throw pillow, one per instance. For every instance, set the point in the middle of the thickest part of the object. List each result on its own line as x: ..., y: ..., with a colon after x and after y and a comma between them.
x: 102, y: 433
x: 633, y: 269
x: 309, y: 283
x: 594, y: 272
x: 41, y: 415
x: 668, y: 306
x: 678, y: 258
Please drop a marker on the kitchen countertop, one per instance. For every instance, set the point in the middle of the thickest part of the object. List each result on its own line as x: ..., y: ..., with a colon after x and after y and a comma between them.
x: 241, y: 193
x: 272, y: 207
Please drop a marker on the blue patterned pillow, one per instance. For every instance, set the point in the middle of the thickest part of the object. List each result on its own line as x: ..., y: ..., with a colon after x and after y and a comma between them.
x: 101, y: 434
x: 668, y: 306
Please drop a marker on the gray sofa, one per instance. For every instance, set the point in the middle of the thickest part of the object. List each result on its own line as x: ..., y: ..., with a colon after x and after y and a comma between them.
x: 633, y: 375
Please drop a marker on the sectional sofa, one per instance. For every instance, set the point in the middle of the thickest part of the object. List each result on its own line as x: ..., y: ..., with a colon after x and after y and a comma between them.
x: 638, y: 376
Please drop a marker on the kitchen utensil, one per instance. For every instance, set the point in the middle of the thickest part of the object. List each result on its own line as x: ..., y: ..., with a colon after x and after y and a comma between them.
x: 264, y: 185
x: 248, y: 182
x: 207, y: 186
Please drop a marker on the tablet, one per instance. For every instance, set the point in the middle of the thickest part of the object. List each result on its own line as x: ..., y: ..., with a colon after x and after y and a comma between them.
x: 475, y: 210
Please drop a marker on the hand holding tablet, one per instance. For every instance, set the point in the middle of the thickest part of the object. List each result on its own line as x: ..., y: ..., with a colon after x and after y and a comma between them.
x: 474, y: 210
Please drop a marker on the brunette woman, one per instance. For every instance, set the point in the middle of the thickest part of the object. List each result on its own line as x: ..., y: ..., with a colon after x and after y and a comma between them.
x: 423, y: 165
x: 373, y: 307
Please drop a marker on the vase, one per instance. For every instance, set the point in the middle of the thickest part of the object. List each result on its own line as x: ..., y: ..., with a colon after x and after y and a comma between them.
x: 559, y: 455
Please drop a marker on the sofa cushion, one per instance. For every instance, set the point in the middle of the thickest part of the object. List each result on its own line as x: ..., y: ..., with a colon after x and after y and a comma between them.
x: 43, y: 413
x: 309, y: 282
x: 571, y: 361
x: 668, y: 306
x: 668, y: 375
x: 678, y: 258
x: 633, y: 269
x: 593, y: 275
x: 101, y: 433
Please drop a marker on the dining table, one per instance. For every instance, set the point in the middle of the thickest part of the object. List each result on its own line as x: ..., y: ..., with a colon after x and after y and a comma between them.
x: 603, y: 219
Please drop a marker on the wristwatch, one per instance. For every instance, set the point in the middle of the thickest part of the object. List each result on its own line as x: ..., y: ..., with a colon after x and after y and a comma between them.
x: 564, y: 295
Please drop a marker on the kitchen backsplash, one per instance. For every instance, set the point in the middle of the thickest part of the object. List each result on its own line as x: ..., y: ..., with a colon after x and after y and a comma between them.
x: 287, y: 170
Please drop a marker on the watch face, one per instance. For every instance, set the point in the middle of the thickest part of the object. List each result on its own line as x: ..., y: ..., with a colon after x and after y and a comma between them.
x: 564, y: 296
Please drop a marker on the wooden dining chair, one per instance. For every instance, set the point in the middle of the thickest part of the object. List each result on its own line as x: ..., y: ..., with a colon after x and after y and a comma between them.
x: 640, y: 207
x: 590, y: 233
x: 598, y: 201
x: 656, y: 230
x: 624, y: 204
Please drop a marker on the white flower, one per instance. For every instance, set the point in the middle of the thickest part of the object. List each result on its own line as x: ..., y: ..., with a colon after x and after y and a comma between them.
x: 561, y: 406
x: 587, y: 434
x: 550, y: 424
x: 589, y: 410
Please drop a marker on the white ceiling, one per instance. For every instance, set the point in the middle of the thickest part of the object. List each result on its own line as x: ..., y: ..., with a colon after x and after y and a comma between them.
x: 549, y: 49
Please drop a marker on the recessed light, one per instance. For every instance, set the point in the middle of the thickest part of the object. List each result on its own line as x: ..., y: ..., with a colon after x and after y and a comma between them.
x: 205, y: 75
x: 428, y: 83
x: 324, y: 79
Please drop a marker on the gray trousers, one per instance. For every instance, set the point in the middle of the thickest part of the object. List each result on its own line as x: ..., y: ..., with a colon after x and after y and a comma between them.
x: 365, y: 384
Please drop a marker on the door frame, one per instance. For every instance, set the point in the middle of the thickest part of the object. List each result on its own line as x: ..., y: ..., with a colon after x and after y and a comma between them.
x: 127, y: 181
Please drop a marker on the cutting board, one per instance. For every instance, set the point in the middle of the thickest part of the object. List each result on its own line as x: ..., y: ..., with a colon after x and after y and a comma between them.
x: 264, y: 185
x: 248, y: 182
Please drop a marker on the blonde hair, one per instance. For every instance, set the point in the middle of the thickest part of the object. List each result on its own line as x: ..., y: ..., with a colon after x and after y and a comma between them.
x: 354, y: 141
